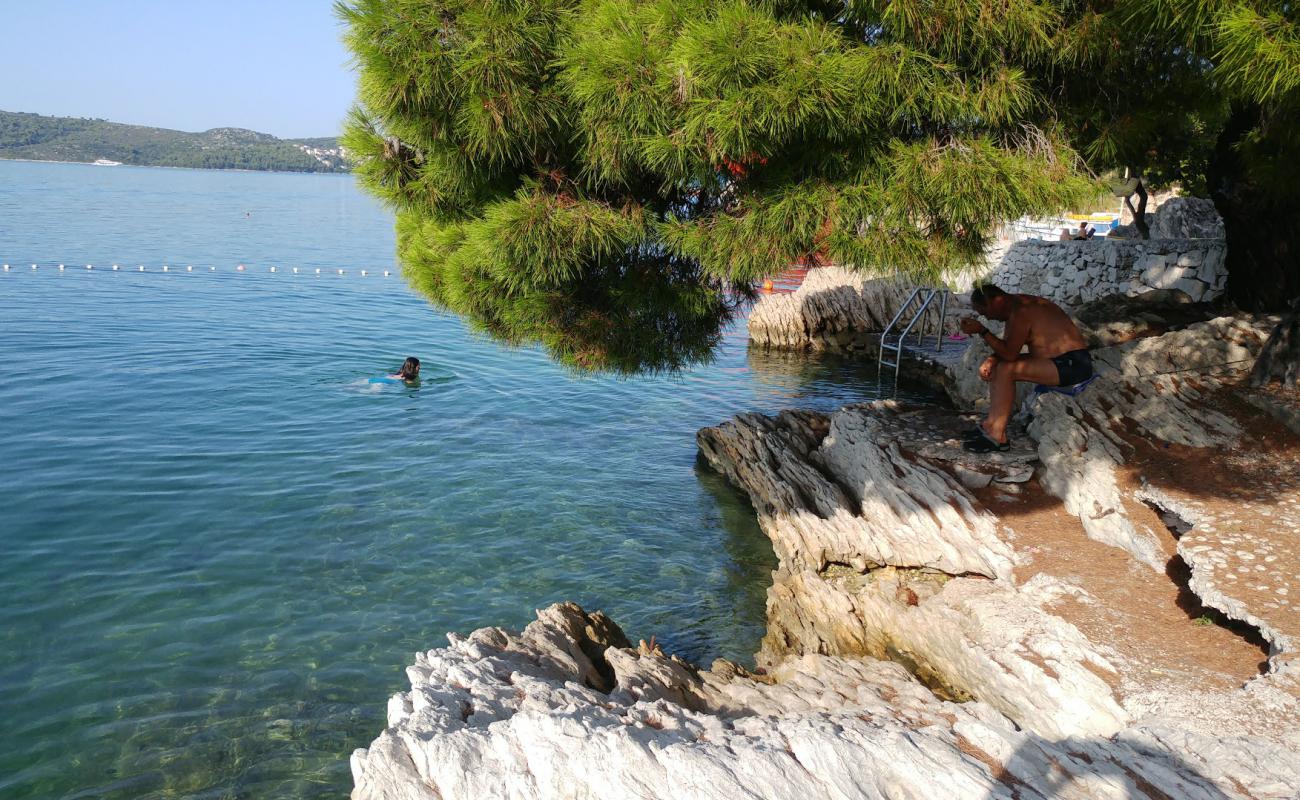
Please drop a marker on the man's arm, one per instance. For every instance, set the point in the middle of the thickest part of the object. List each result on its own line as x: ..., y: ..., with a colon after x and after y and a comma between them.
x: 1015, y: 336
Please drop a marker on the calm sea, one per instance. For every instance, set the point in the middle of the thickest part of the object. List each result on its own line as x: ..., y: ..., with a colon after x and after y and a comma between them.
x: 219, y: 545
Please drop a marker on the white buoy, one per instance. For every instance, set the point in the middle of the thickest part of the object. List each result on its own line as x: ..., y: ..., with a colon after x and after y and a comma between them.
x: 33, y: 266
x: 295, y: 270
x: 6, y: 267
x: 142, y: 267
x: 363, y: 273
x: 60, y: 268
x: 212, y: 269
x: 385, y: 273
x: 340, y: 272
x: 88, y: 266
x: 240, y: 268
x: 273, y: 269
x: 164, y: 267
x: 318, y: 270
x: 115, y: 268
x: 189, y: 269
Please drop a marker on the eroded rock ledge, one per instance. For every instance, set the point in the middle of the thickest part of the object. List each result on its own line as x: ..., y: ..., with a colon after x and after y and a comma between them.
x: 502, y: 714
x: 1037, y: 624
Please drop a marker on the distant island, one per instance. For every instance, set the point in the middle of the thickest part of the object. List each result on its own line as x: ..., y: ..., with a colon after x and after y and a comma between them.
x: 39, y: 138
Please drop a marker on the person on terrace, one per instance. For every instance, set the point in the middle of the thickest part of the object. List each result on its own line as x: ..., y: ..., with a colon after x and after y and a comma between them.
x: 1058, y: 355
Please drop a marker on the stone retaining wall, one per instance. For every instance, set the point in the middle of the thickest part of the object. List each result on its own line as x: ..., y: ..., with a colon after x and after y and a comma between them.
x: 1073, y: 273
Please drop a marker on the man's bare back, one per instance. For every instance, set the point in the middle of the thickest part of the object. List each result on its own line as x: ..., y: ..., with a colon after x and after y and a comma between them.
x: 1048, y: 330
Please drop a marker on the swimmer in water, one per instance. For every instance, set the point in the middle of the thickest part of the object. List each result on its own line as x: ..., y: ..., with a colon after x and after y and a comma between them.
x: 409, y: 371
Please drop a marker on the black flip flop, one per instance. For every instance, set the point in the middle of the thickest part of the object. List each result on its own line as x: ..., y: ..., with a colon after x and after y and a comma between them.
x: 984, y: 444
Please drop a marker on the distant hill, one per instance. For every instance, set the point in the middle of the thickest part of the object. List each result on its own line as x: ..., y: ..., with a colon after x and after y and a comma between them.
x: 40, y: 138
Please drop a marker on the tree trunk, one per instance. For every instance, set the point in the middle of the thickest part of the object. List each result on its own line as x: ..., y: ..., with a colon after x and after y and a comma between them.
x: 1139, y: 213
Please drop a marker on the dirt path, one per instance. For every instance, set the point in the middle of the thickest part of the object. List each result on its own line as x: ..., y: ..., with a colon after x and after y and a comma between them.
x: 1244, y: 507
x: 1149, y: 620
x: 1174, y: 654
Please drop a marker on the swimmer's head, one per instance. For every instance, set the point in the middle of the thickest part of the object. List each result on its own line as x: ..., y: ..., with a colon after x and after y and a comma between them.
x: 410, y: 369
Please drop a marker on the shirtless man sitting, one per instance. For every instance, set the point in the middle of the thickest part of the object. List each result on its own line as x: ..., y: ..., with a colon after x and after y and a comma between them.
x: 1058, y: 355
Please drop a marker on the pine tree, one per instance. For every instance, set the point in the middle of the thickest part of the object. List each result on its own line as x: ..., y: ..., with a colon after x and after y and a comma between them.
x: 1253, y: 49
x: 1205, y: 93
x: 610, y: 177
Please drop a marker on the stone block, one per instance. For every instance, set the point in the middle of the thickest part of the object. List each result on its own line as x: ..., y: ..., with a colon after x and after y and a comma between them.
x: 1162, y: 277
x: 1187, y: 218
x: 1194, y: 288
x: 1148, y: 260
x: 1209, y: 270
x: 1191, y: 258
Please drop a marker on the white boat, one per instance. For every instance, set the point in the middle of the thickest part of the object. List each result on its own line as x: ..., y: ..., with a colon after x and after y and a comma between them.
x: 104, y: 162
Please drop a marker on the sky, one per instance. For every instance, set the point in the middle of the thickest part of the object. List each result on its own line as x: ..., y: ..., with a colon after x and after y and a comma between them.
x: 274, y: 66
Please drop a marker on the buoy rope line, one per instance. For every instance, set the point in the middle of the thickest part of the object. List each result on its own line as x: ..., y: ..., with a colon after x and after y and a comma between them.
x: 388, y: 273
x: 211, y: 269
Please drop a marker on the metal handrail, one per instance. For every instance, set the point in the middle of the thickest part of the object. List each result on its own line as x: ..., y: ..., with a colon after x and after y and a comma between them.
x: 920, y: 312
x: 881, y: 363
x: 943, y: 315
x: 901, y: 309
x: 930, y: 295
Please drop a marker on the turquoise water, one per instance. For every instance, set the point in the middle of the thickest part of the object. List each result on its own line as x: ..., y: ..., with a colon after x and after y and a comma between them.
x: 220, y: 544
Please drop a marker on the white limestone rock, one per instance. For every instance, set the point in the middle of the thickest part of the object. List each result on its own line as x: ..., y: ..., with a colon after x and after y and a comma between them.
x: 842, y: 497
x: 818, y: 727
x: 1080, y: 454
x: 838, y: 308
x: 842, y: 492
x: 884, y: 552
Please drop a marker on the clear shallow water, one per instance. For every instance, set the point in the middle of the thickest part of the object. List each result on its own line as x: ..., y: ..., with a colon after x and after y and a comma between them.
x: 220, y: 545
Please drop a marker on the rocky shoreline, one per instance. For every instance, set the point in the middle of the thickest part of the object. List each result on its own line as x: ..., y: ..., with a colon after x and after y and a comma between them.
x: 1110, y: 610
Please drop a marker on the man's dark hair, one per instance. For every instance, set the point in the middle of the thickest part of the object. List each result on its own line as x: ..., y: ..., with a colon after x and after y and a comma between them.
x: 984, y: 293
x: 410, y: 368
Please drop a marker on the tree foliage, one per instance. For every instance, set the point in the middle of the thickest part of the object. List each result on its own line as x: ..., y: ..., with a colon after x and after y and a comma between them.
x: 610, y: 177
x: 1243, y: 60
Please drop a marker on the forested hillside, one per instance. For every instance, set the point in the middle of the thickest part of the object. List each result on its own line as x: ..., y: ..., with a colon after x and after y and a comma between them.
x: 41, y: 138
